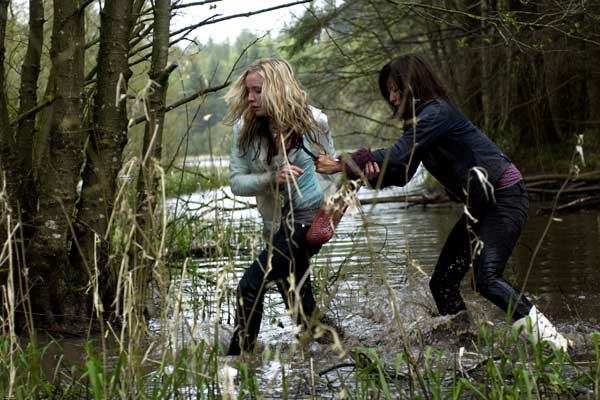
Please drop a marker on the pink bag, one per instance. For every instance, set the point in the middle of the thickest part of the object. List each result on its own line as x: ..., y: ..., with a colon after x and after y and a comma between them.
x: 331, y: 212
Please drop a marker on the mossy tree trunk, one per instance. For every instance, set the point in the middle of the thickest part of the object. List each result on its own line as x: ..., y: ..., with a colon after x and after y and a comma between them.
x: 106, y: 143
x: 58, y: 290
x: 60, y: 157
x: 16, y: 143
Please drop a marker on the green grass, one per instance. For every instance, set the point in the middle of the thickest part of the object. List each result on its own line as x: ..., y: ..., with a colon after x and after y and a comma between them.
x: 506, y: 366
x: 527, y: 372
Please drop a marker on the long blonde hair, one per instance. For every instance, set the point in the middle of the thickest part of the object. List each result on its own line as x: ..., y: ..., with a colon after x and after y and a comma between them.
x: 283, y: 99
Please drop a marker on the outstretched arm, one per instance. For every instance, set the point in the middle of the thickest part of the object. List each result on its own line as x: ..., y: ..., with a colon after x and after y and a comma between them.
x: 328, y: 165
x: 325, y: 164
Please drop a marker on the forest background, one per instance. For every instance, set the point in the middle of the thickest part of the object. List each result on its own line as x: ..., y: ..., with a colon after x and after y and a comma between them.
x: 96, y: 106
x: 525, y: 72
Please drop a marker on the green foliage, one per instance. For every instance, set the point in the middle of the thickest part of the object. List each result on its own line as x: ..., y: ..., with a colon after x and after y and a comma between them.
x: 508, y: 368
x: 337, y: 57
x: 24, y: 374
x: 197, y: 127
x: 338, y: 53
x: 95, y: 373
x: 206, y: 237
x: 193, y: 179
x: 534, y: 103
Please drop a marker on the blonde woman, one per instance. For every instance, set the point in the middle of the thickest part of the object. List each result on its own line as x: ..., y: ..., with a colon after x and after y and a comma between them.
x: 274, y: 128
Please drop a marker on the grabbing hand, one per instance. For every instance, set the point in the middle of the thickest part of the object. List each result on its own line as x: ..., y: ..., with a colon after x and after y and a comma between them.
x: 371, y: 170
x: 327, y: 165
x: 287, y: 173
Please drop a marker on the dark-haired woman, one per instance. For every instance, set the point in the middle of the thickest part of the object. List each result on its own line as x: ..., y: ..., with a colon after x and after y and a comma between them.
x: 473, y: 170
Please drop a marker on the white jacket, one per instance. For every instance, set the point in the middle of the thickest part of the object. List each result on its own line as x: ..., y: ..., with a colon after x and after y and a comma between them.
x: 250, y: 175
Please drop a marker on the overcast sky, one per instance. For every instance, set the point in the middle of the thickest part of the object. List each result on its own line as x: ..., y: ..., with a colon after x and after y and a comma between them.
x: 259, y: 24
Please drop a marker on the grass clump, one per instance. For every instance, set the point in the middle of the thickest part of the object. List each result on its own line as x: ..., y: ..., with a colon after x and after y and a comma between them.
x: 187, y: 180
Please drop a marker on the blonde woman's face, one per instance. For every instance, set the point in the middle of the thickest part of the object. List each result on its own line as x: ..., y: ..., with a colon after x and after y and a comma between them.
x: 254, y: 84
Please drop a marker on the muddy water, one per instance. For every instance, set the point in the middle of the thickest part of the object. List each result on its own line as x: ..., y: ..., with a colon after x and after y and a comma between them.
x: 372, y: 278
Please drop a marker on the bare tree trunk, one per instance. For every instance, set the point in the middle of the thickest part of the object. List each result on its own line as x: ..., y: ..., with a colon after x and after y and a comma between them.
x: 58, y: 290
x: 8, y: 159
x: 441, y: 49
x: 152, y: 146
x: 469, y: 64
x: 592, y: 50
x: 30, y: 73
x: 485, y: 58
x: 505, y: 86
x: 159, y: 73
x: 106, y: 142
x: 564, y: 74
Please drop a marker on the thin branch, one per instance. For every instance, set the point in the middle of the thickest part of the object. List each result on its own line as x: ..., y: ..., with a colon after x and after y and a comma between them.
x: 185, y: 100
x: 495, y: 21
x: 213, y: 20
x: 193, y: 4
x: 354, y: 113
x: 34, y: 110
x: 246, y: 14
x: 203, y: 92
x: 581, y: 176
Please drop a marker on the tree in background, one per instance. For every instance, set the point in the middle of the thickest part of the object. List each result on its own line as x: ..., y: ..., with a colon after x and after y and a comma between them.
x: 527, y: 72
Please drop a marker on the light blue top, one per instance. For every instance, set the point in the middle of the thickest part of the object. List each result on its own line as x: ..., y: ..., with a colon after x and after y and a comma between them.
x: 251, y: 175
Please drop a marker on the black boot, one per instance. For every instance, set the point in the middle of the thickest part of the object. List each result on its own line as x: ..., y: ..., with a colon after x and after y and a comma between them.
x: 234, y: 346
x: 248, y: 317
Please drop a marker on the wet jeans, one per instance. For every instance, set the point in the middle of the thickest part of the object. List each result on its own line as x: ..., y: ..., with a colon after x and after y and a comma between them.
x: 491, y: 241
x: 289, y: 261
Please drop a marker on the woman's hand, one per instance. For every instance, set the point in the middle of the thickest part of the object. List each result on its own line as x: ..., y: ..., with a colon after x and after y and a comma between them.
x: 371, y: 170
x: 327, y: 165
x: 287, y: 173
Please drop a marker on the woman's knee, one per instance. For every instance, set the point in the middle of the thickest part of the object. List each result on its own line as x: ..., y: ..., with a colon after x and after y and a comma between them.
x: 249, y: 285
x: 488, y: 284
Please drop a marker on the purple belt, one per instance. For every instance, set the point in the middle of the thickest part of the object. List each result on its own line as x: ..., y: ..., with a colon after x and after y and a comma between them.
x: 509, y: 177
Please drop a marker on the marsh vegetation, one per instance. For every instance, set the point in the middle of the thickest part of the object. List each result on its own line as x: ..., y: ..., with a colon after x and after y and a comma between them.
x: 122, y: 245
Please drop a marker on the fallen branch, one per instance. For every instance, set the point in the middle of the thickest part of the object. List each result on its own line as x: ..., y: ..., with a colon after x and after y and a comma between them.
x: 583, y: 202
x: 586, y: 189
x: 411, y: 199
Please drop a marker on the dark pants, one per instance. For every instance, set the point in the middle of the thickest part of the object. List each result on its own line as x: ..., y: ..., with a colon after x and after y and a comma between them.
x: 498, y: 229
x: 289, y: 256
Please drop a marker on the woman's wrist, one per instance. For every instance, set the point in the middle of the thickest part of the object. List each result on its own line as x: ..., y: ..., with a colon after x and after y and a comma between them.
x: 339, y: 165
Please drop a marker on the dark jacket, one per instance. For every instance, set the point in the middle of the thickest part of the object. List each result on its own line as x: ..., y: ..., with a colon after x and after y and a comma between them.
x: 449, y: 146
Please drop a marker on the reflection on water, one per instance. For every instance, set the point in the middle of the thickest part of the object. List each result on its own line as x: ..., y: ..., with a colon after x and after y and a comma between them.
x: 565, y: 275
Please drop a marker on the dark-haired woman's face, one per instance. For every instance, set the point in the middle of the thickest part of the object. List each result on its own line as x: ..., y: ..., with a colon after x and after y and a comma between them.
x: 394, y: 97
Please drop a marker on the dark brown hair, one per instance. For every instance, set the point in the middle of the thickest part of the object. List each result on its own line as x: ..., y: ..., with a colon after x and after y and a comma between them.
x: 415, y: 80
